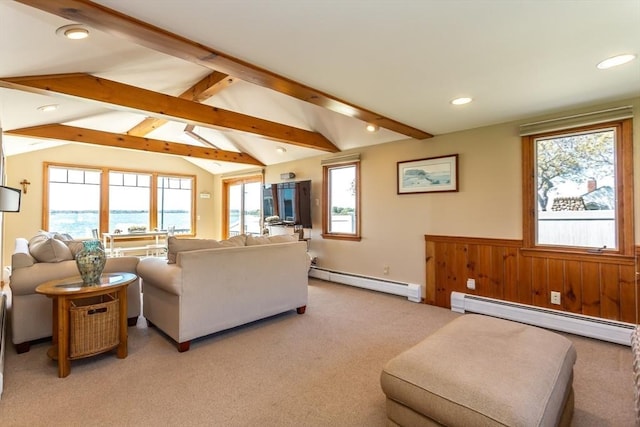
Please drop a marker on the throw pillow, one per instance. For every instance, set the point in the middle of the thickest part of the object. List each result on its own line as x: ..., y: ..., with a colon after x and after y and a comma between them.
x: 176, y: 245
x: 62, y: 236
x: 49, y: 249
x: 40, y: 237
x: 74, y: 246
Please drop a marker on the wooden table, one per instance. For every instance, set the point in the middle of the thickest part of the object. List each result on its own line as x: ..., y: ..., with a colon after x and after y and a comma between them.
x: 64, y: 291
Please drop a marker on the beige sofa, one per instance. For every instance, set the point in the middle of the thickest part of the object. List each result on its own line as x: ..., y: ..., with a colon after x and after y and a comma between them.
x: 31, y: 313
x: 201, y: 291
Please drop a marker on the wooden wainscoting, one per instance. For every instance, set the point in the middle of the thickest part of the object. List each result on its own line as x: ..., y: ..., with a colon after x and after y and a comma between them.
x: 597, y: 285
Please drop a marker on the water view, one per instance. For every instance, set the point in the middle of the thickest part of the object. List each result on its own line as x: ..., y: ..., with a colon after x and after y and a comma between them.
x: 80, y: 223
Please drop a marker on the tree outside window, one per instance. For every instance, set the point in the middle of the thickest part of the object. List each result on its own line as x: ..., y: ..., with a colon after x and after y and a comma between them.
x: 578, y: 193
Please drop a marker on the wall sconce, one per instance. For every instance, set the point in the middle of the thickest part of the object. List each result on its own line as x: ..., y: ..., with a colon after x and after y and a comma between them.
x: 24, y: 184
x: 287, y: 175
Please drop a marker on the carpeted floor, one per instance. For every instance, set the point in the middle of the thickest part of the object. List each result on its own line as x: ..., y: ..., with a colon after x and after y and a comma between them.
x: 317, y: 369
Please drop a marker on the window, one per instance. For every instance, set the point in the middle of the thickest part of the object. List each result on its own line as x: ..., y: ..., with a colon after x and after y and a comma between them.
x: 129, y: 200
x: 174, y: 202
x: 73, y: 200
x: 78, y: 200
x: 341, y: 201
x: 578, y: 189
x: 242, y: 206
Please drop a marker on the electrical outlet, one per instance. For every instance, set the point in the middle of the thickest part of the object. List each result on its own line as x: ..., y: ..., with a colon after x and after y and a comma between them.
x: 555, y: 297
x: 471, y: 283
x: 385, y: 270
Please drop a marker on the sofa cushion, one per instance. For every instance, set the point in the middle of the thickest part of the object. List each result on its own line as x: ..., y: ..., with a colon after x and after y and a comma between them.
x: 176, y: 245
x: 235, y: 241
x: 47, y: 249
x: 283, y: 238
x: 257, y: 240
x: 266, y: 240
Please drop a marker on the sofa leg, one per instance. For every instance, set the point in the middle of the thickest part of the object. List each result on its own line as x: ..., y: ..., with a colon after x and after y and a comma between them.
x: 23, y: 347
x: 184, y: 346
x: 302, y: 309
x: 132, y: 321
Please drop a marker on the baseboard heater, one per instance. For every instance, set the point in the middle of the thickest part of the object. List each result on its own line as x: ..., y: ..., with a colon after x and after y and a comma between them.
x: 578, y: 324
x: 410, y: 290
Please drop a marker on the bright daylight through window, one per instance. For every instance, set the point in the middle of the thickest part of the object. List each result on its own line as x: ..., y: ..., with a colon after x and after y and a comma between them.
x: 341, y: 217
x: 75, y: 197
x: 242, y: 200
x: 74, y: 201
x: 576, y: 189
x: 579, y: 189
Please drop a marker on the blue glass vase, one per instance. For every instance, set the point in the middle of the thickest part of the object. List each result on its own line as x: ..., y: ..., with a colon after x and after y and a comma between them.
x: 90, y: 261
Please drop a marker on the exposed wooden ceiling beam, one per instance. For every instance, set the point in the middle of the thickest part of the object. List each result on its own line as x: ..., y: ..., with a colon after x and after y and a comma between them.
x: 90, y: 136
x: 142, y: 33
x: 202, y: 90
x: 122, y: 96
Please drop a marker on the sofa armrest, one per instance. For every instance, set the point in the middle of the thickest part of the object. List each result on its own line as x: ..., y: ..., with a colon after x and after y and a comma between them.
x: 157, y: 273
x: 21, y: 256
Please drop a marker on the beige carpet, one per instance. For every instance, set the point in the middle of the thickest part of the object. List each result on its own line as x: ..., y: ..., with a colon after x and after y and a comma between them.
x: 317, y: 369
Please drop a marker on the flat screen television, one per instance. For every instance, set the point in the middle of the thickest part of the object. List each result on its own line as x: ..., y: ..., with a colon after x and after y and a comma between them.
x: 9, y: 199
x: 289, y: 201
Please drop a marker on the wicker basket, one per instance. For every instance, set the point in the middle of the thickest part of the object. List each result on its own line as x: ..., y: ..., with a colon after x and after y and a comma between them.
x: 94, y: 328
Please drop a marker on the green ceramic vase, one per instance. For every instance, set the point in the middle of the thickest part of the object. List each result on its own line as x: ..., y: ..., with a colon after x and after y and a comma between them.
x: 90, y: 261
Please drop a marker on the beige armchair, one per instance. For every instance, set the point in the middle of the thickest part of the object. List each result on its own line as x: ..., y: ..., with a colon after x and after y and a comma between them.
x: 31, y: 313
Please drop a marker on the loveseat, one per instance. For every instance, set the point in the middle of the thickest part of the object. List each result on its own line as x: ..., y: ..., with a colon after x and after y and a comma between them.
x: 206, y: 286
x: 50, y: 256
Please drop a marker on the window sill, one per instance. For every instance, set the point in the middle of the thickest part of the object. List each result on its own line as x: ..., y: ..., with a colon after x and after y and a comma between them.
x: 567, y: 254
x: 341, y: 237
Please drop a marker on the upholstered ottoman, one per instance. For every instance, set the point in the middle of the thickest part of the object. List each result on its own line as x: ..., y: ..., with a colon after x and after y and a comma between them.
x: 482, y: 371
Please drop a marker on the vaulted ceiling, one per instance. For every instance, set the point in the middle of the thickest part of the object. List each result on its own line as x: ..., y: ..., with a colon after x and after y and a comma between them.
x: 225, y: 84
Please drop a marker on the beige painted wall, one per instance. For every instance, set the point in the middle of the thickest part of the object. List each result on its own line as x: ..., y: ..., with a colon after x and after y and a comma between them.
x: 29, y: 165
x: 393, y: 226
x: 488, y: 204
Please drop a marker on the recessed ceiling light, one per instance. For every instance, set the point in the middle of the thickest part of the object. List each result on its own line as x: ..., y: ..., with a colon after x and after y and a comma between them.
x: 48, y: 108
x: 73, y: 32
x: 281, y: 150
x: 461, y: 101
x: 614, y: 61
x: 372, y: 128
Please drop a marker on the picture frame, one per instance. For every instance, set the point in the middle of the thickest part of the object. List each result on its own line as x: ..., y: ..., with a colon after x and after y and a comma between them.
x: 429, y: 175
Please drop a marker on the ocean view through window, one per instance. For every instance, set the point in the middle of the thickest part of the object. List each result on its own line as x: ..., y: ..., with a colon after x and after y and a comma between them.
x: 77, y: 199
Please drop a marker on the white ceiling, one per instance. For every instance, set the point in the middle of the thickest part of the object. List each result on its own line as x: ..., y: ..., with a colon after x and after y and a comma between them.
x: 404, y: 59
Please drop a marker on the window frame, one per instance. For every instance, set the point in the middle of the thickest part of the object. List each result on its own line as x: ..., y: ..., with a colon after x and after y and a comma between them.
x: 226, y: 184
x: 326, y: 203
x: 624, y: 191
x: 104, y: 193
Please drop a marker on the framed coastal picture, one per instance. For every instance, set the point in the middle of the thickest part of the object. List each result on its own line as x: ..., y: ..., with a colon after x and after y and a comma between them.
x: 433, y: 174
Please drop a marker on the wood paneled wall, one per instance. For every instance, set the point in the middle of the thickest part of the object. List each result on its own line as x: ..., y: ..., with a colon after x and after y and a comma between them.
x: 599, y: 285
